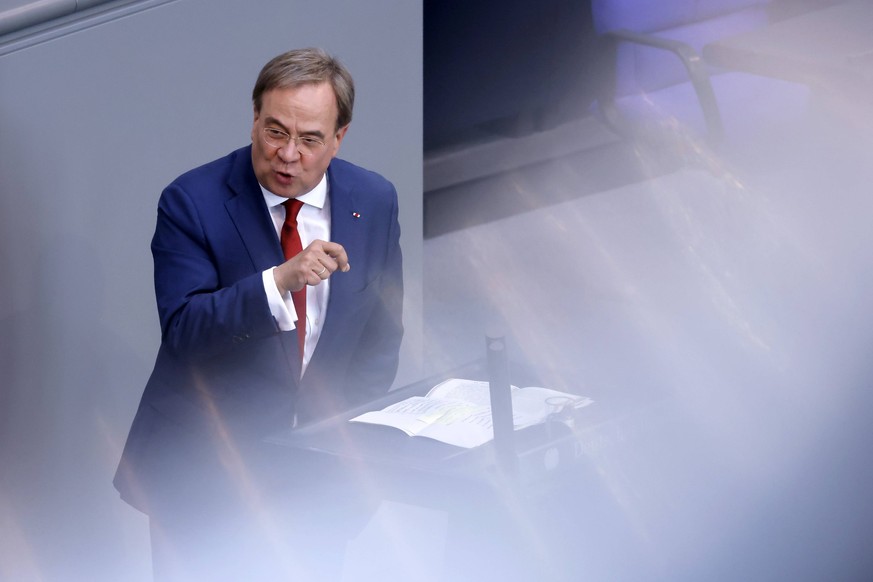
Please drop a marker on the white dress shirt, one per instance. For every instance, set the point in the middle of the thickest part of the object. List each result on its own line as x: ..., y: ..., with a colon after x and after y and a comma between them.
x: 313, y: 223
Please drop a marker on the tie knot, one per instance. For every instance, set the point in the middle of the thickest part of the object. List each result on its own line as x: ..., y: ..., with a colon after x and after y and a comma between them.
x: 292, y: 209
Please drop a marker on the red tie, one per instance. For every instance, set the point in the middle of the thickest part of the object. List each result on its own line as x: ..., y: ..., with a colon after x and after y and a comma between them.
x: 291, y: 245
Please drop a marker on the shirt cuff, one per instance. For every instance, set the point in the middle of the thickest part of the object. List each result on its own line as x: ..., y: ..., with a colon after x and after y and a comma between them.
x: 281, y: 307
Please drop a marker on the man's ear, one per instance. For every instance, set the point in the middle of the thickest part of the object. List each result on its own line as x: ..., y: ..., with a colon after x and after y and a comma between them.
x: 340, y: 134
x: 256, y: 115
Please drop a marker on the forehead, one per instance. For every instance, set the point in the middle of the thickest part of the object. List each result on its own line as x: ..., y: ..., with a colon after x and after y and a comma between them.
x: 313, y: 103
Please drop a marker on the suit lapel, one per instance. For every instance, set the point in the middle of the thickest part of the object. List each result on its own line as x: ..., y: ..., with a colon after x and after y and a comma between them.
x: 342, y: 208
x: 250, y: 215
x: 254, y: 224
x: 343, y: 231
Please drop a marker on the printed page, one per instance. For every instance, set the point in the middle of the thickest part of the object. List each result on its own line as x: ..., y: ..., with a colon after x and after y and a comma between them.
x: 454, y: 422
x: 468, y: 429
x: 458, y: 412
x: 471, y: 391
x: 530, y: 406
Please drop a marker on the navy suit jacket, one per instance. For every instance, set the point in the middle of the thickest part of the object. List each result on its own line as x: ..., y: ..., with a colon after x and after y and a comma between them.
x: 225, y: 375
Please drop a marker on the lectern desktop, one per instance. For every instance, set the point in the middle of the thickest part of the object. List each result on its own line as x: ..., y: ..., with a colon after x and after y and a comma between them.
x: 495, y: 508
x: 540, y: 452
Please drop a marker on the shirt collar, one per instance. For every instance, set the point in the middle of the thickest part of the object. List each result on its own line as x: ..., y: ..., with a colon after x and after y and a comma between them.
x: 314, y: 197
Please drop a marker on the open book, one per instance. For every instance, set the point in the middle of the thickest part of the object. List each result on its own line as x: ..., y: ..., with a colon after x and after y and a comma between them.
x: 458, y: 412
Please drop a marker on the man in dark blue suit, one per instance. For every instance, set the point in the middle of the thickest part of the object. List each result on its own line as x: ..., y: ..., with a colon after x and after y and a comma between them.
x: 240, y: 357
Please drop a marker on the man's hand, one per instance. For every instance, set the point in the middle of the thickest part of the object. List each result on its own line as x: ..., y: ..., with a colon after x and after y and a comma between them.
x: 311, y: 266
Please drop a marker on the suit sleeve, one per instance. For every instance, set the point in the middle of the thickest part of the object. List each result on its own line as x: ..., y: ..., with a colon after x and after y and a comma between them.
x: 202, y: 314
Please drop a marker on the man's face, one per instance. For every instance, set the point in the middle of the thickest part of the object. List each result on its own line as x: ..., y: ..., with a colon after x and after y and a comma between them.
x: 304, y: 111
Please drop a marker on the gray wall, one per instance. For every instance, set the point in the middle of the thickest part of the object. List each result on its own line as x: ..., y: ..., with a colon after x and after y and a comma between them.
x: 95, y: 120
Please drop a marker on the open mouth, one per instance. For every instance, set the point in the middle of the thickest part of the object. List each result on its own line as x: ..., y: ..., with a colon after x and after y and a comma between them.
x: 283, y: 177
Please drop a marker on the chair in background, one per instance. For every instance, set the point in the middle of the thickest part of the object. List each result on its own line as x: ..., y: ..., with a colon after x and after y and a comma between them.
x: 657, y: 87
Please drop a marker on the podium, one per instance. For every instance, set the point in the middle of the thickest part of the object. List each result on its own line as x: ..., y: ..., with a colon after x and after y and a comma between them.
x: 507, y: 521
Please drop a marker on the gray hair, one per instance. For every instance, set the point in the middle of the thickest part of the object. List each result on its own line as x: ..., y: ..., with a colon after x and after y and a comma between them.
x: 308, y: 66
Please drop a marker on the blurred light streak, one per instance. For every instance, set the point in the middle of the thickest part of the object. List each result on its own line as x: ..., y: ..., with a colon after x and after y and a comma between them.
x: 238, y: 470
x: 17, y: 558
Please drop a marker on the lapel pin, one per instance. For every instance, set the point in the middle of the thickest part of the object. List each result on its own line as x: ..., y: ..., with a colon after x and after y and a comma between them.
x: 356, y: 214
